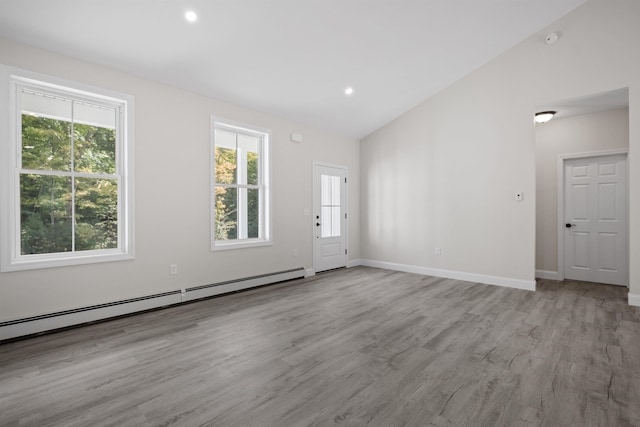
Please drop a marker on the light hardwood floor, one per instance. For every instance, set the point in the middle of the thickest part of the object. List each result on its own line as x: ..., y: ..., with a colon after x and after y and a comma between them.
x: 356, y: 347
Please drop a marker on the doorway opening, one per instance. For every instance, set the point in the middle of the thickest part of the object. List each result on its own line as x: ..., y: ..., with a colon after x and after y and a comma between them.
x: 582, y: 129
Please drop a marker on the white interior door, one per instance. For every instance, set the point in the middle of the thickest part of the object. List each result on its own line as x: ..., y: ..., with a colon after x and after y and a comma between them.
x: 596, y: 219
x: 329, y: 217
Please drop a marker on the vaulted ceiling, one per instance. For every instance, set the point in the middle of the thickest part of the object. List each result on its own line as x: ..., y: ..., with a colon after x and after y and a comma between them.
x: 290, y: 58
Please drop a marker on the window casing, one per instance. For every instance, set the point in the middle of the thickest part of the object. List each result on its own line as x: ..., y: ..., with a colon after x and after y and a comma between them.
x: 240, y: 186
x: 67, y: 173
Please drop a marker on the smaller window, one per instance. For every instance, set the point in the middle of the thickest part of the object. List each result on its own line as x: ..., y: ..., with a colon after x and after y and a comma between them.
x: 240, y: 186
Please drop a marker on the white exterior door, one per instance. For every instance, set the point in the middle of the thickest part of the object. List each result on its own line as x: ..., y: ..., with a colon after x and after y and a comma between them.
x: 329, y: 217
x: 595, y: 209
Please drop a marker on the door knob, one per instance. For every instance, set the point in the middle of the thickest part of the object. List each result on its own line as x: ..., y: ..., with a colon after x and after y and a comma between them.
x: 568, y: 225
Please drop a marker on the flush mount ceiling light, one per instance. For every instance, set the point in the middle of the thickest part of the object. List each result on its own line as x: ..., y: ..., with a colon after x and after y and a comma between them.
x: 544, y: 116
x: 191, y: 16
x: 348, y: 91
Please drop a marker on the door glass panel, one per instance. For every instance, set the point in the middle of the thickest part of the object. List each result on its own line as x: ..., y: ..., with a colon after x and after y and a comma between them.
x: 326, y: 218
x: 335, y: 221
x: 325, y: 190
x: 330, y: 205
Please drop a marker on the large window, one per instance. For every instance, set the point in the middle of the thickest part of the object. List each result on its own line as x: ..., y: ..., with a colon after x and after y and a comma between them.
x: 67, y: 200
x: 240, y: 199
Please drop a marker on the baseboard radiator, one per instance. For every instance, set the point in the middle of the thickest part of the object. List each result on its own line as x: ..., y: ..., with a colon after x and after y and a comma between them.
x: 63, y: 319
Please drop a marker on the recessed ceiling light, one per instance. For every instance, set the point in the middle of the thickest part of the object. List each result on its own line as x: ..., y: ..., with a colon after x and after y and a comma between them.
x: 348, y: 91
x: 190, y: 16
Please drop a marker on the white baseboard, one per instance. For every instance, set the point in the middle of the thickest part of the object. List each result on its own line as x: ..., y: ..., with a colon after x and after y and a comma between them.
x: 527, y: 285
x: 309, y: 272
x: 48, y: 322
x: 546, y: 274
x: 634, y: 299
x: 354, y: 263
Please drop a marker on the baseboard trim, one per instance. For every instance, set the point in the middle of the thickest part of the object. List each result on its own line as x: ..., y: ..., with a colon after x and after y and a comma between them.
x: 354, y: 263
x: 309, y: 272
x: 634, y: 299
x: 63, y: 319
x: 548, y: 275
x: 527, y: 285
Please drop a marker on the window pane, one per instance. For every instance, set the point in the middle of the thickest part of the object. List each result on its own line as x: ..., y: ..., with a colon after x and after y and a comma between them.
x: 248, y: 144
x: 225, y: 139
x: 96, y: 214
x: 94, y: 115
x: 46, y: 143
x: 45, y: 214
x: 226, y: 168
x: 226, y: 213
x: 94, y: 149
x: 49, y: 106
x: 253, y: 213
x: 252, y: 168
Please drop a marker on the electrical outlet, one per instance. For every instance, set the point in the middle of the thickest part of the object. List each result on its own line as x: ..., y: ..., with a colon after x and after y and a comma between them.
x: 173, y: 268
x: 438, y: 251
x: 295, y: 252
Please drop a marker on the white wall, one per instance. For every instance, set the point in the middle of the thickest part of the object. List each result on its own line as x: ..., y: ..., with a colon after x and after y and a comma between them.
x: 607, y: 130
x: 172, y: 196
x: 445, y: 173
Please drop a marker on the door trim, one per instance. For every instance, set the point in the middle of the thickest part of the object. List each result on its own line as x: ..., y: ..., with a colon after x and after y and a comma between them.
x: 562, y: 158
x: 313, y: 204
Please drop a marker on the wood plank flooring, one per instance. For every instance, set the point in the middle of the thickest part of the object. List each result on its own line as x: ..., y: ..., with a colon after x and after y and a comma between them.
x: 356, y: 347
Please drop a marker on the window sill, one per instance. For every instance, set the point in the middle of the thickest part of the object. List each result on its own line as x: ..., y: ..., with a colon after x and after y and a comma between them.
x: 224, y: 246
x: 61, y: 261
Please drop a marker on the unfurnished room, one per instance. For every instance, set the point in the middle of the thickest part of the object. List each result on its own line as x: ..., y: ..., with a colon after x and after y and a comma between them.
x: 300, y: 213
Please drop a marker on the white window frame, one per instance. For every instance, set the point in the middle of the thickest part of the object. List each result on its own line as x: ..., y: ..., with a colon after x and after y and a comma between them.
x: 12, y: 80
x: 264, y: 176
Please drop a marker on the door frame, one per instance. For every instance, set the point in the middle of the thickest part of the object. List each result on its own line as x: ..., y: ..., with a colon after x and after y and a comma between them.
x: 315, y: 206
x: 562, y: 158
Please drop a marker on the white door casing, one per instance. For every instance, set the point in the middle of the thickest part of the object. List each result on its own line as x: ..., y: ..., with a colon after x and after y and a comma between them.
x: 329, y: 217
x: 595, y: 219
